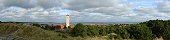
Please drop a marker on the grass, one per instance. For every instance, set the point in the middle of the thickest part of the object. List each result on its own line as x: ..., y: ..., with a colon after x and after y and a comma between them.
x: 28, y: 32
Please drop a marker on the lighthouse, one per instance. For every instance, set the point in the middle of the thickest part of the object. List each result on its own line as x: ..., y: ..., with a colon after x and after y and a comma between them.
x: 67, y: 21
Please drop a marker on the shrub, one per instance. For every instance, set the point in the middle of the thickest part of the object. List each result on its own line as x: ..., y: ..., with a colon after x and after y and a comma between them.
x: 140, y: 32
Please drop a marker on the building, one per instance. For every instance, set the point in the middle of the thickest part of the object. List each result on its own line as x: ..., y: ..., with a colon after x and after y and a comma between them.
x: 67, y: 21
x: 58, y: 26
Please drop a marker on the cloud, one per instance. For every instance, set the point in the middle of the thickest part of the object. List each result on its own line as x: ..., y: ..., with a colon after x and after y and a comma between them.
x: 50, y: 3
x: 19, y: 3
x: 33, y: 14
x: 32, y: 3
x: 85, y: 4
x: 114, y: 11
x: 164, y: 6
x: 151, y: 13
x: 83, y: 10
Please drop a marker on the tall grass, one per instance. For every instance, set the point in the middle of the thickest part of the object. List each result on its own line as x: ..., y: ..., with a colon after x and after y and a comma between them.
x: 31, y: 32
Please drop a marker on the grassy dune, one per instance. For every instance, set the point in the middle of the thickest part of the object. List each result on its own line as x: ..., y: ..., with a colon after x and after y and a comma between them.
x: 13, y: 31
x: 28, y: 32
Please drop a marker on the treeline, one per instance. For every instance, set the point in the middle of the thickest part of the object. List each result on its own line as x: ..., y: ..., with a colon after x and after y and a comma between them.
x: 148, y: 30
x: 160, y: 28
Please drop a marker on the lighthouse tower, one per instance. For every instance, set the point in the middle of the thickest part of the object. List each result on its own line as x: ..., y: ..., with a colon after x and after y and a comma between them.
x: 67, y: 21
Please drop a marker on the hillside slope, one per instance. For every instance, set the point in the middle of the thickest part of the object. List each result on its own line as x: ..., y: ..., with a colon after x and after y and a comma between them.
x: 10, y: 31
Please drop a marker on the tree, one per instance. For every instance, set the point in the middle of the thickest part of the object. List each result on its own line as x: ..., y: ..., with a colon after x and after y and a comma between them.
x: 156, y: 26
x: 166, y: 33
x: 102, y: 31
x: 80, y: 30
x: 160, y: 28
x: 122, y: 32
x: 140, y: 32
x: 93, y: 30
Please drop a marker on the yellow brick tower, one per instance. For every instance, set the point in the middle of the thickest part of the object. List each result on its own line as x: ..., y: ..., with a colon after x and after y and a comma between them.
x: 67, y: 21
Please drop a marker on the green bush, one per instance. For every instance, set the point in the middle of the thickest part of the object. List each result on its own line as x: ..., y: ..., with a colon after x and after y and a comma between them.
x: 122, y: 32
x: 160, y: 28
x: 140, y: 32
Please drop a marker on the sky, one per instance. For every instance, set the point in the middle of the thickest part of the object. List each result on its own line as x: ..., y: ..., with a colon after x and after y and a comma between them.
x: 84, y: 10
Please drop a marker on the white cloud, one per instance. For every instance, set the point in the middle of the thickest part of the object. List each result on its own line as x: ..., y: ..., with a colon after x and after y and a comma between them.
x: 34, y: 14
x: 81, y: 10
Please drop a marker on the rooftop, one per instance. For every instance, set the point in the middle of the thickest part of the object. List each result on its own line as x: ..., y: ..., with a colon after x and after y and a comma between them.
x: 67, y: 15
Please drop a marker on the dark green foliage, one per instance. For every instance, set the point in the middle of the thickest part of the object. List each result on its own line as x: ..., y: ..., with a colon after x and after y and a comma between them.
x: 166, y: 33
x: 91, y: 30
x: 38, y: 25
x: 160, y: 28
x: 47, y: 27
x: 68, y: 30
x: 80, y: 29
x: 140, y: 32
x: 122, y: 32
x: 102, y: 31
x: 156, y: 26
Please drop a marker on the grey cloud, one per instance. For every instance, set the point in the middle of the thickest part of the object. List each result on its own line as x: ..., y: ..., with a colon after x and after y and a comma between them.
x: 32, y: 3
x: 88, y: 17
x: 146, y: 10
x: 22, y: 14
x: 81, y: 11
x: 164, y: 6
x: 50, y: 3
x: 110, y: 10
x: 120, y: 12
x: 151, y: 13
x: 85, y: 4
x: 104, y: 7
x: 19, y: 3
